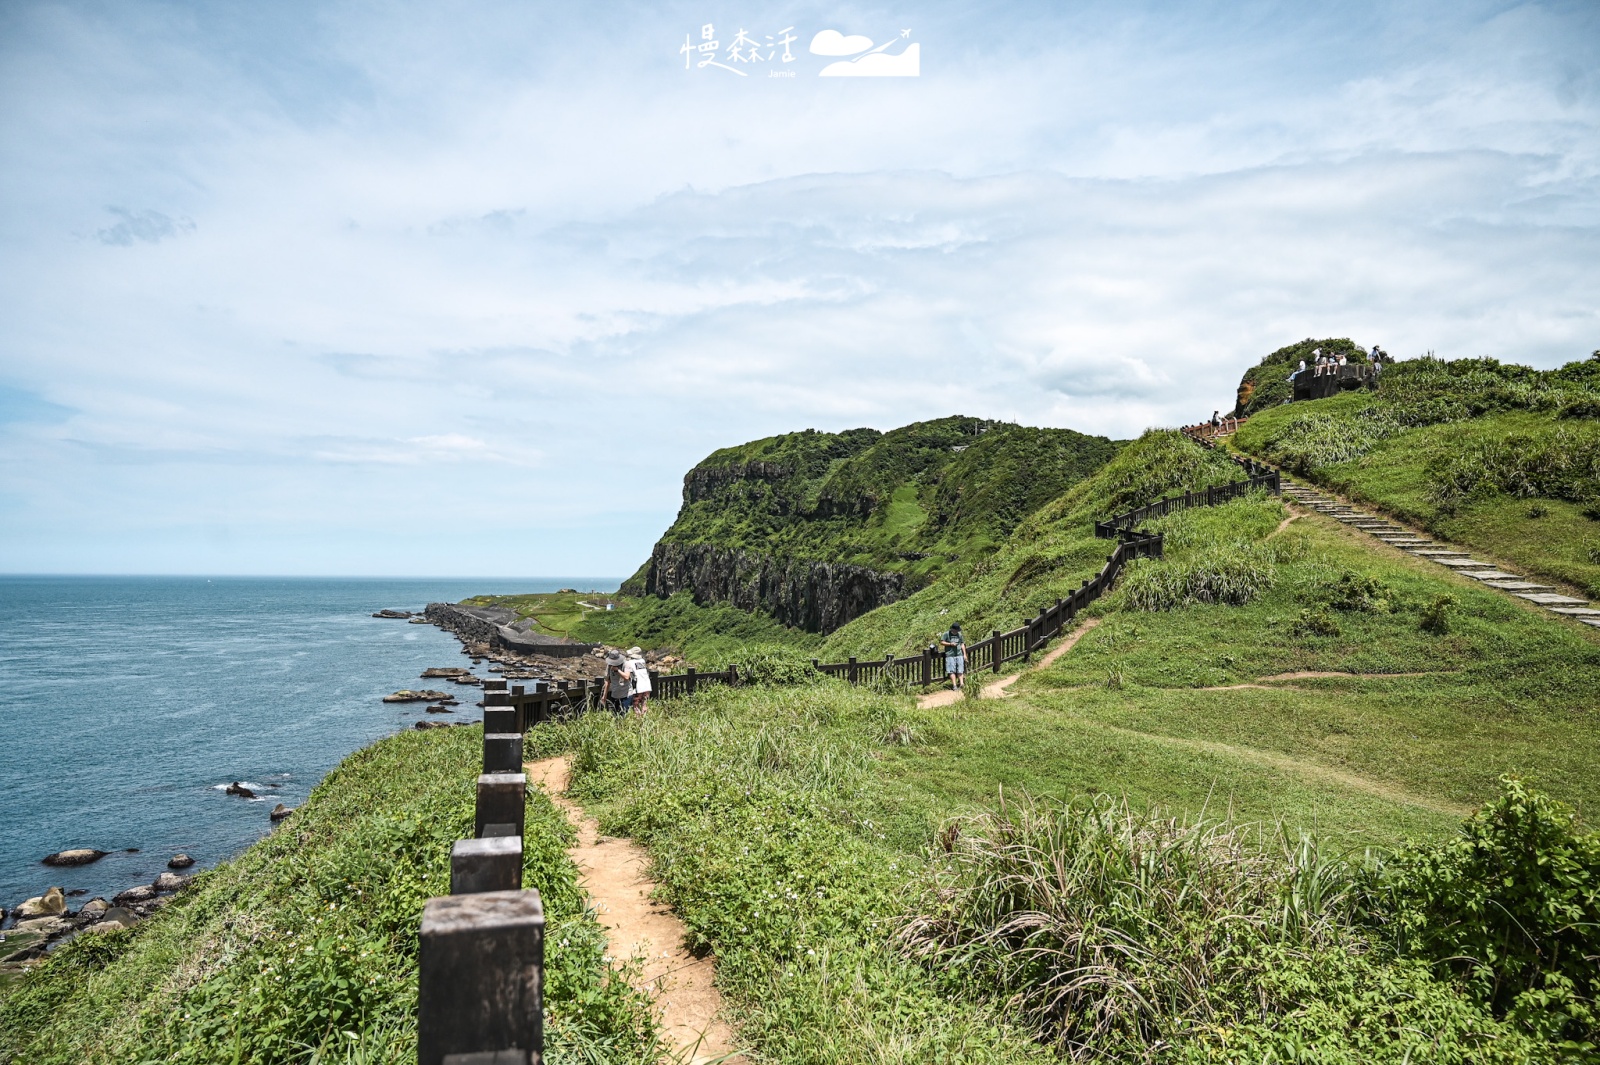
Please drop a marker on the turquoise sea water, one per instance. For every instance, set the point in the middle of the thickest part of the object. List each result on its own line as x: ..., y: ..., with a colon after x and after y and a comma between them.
x: 126, y: 702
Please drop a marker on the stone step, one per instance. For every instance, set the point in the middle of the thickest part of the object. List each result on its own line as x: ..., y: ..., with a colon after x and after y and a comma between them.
x: 1519, y: 586
x: 1549, y: 599
x: 1491, y: 575
x: 1591, y: 621
x: 1578, y: 611
x: 1462, y: 563
x: 1442, y: 552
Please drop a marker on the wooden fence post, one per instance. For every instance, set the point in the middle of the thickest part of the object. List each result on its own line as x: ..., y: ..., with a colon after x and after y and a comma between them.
x: 492, y: 864
x: 501, y: 799
x: 480, y: 978
x: 994, y: 651
x: 502, y: 752
x: 927, y: 666
x: 851, y: 673
x: 690, y: 683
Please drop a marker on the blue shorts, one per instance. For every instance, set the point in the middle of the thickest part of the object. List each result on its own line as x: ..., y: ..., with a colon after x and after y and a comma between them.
x: 955, y: 663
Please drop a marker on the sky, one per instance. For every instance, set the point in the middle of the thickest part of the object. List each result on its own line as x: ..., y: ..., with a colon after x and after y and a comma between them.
x: 393, y: 288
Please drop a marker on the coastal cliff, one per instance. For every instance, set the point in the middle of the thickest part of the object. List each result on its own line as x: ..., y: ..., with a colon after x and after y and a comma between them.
x: 815, y: 529
x: 815, y: 596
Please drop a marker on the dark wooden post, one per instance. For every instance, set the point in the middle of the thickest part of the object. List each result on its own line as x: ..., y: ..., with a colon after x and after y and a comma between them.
x: 927, y: 666
x: 690, y: 682
x: 491, y: 864
x: 994, y: 650
x: 502, y: 752
x: 851, y: 672
x: 480, y: 979
x: 733, y: 675
x: 499, y: 719
x: 501, y: 801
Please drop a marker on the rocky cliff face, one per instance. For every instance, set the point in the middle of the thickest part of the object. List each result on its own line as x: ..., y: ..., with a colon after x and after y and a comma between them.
x: 815, y: 596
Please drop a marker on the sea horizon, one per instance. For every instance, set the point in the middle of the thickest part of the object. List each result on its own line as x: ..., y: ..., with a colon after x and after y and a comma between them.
x: 132, y: 700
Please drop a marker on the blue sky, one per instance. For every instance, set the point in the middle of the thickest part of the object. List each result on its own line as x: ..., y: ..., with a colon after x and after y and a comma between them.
x: 396, y: 288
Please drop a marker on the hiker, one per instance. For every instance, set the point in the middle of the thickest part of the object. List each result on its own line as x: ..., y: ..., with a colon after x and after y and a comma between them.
x: 955, y: 657
x: 641, y: 680
x: 618, y: 680
x: 1216, y: 419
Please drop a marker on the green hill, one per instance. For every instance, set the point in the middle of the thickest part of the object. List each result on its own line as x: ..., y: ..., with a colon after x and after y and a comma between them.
x: 1495, y: 456
x: 817, y: 528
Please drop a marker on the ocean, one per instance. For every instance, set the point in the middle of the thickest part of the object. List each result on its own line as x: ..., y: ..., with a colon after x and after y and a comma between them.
x: 128, y: 703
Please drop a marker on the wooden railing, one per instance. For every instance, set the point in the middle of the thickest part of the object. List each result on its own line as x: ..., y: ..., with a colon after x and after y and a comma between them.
x: 1222, y: 427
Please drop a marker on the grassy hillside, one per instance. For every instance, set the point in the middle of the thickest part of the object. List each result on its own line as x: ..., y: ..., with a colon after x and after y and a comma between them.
x: 910, y: 500
x: 1499, y: 457
x: 303, y: 948
x: 1048, y: 555
x: 876, y: 879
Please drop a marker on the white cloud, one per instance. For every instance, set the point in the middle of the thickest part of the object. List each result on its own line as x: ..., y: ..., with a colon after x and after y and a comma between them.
x: 526, y: 263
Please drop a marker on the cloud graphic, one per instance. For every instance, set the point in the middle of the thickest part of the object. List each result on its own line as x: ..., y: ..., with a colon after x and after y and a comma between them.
x: 908, y: 64
x: 832, y: 42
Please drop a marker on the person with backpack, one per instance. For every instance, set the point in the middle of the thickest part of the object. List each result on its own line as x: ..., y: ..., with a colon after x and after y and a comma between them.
x: 641, y: 680
x: 955, y: 657
x: 618, y: 684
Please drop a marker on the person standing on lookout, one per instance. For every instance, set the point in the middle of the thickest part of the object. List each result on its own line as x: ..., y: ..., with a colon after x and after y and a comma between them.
x: 618, y: 682
x: 955, y: 657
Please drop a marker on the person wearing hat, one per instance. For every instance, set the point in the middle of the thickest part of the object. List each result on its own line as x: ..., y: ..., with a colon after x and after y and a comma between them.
x: 640, y: 672
x: 618, y: 681
x: 955, y: 656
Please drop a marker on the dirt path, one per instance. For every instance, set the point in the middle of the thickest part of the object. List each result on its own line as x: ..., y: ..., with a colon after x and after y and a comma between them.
x: 612, y: 871
x: 1294, y: 515
x: 1001, y: 689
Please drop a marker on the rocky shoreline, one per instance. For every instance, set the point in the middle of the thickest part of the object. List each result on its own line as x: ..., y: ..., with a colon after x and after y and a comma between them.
x: 493, y: 639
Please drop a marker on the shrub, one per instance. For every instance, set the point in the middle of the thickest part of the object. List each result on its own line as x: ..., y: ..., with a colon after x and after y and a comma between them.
x: 1436, y: 615
x: 774, y: 665
x: 1233, y: 575
x: 1353, y: 591
x: 1316, y: 622
x: 1510, y: 907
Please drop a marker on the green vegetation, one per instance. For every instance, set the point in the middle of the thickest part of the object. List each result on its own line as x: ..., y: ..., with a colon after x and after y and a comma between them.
x: 1051, y: 553
x: 303, y: 948
x: 907, y: 500
x: 1502, y: 458
x: 882, y: 882
x: 711, y: 636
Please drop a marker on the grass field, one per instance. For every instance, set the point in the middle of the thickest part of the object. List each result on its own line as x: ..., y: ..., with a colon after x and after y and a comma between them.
x: 794, y: 829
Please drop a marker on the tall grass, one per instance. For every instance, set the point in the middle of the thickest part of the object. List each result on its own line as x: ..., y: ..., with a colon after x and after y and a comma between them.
x: 1233, y: 575
x: 1102, y: 925
x: 1131, y: 936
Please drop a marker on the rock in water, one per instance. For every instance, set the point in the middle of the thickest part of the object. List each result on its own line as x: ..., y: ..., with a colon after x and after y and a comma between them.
x: 115, y: 918
x: 47, y: 925
x: 51, y: 904
x: 280, y: 811
x: 440, y: 709
x: 141, y: 893
x: 169, y: 882
x: 240, y: 790
x: 77, y: 856
x: 396, y: 614
x: 95, y: 907
x: 179, y: 861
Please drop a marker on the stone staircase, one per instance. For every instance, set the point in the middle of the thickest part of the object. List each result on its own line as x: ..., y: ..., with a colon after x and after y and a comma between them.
x: 1415, y: 543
